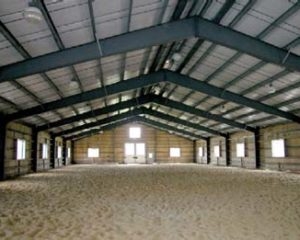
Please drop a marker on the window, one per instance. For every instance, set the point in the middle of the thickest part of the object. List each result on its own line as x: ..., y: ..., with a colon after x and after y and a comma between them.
x: 93, y: 152
x: 200, y: 151
x: 129, y: 149
x: 59, y: 152
x: 140, y: 149
x: 134, y: 132
x: 21, y: 149
x: 174, y: 152
x: 44, y: 151
x: 240, y: 149
x: 69, y: 152
x: 135, y: 149
x: 278, y: 149
x: 217, y: 151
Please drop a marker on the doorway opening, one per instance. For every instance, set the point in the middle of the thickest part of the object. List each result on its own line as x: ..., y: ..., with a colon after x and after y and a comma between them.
x: 135, y: 153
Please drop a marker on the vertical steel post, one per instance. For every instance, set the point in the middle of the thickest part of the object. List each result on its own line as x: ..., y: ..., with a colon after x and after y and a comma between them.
x: 3, y: 124
x: 52, y: 151
x: 257, y: 148
x: 34, y: 149
x: 208, y: 150
x: 227, y: 150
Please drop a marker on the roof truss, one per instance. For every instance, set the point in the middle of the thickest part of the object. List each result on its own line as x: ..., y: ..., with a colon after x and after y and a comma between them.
x: 150, y: 98
x: 143, y: 38
x: 139, y: 111
x: 140, y: 119
x: 150, y: 79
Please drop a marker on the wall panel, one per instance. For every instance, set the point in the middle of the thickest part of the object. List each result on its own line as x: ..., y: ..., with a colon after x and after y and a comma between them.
x: 248, y: 139
x: 15, y: 167
x: 291, y: 134
x: 111, y: 144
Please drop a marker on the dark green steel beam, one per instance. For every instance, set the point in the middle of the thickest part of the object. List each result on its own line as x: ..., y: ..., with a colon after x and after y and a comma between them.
x: 130, y: 84
x: 198, y: 112
x: 143, y: 38
x: 100, y: 111
x: 123, y: 105
x: 101, y: 122
x: 142, y: 120
x: 96, y: 131
x: 179, y: 121
x: 139, y: 39
x: 134, y: 113
x: 157, y: 77
x: 169, y: 128
x: 221, y: 93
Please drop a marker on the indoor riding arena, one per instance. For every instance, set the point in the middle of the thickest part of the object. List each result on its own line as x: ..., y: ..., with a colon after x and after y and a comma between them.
x: 150, y: 119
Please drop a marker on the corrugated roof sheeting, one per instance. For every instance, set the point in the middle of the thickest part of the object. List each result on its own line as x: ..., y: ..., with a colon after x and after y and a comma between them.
x: 73, y: 23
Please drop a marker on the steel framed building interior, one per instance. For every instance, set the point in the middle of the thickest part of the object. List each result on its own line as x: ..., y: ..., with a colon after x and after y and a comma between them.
x: 198, y: 69
x: 211, y: 72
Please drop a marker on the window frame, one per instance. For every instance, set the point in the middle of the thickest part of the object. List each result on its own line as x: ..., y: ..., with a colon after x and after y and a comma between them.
x: 20, y: 149
x: 217, y: 151
x: 59, y: 152
x: 68, y: 152
x: 276, y: 144
x: 90, y: 152
x: 202, y: 152
x: 242, y: 147
x: 133, y: 134
x: 44, y: 151
x: 177, y: 152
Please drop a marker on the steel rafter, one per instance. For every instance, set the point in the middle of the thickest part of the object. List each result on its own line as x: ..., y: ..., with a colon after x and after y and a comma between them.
x: 221, y: 93
x: 164, y: 33
x: 97, y: 93
x: 97, y: 112
x: 173, y: 119
x: 104, y: 121
x: 142, y: 120
x: 150, y: 79
x: 141, y: 110
x: 23, y: 52
x: 198, y: 112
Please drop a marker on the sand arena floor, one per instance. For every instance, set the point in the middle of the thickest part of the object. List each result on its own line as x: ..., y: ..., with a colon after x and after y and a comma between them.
x: 151, y: 202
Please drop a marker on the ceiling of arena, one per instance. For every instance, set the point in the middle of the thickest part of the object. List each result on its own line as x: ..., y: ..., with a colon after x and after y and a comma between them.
x: 193, y: 68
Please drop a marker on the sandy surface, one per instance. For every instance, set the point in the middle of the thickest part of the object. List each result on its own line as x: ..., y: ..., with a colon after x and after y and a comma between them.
x: 151, y: 202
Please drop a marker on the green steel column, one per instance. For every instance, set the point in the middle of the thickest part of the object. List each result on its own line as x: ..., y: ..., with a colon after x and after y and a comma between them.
x: 52, y: 151
x: 227, y: 149
x: 208, y: 150
x: 257, y: 149
x: 3, y: 124
x: 64, y: 152
x: 34, y: 149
